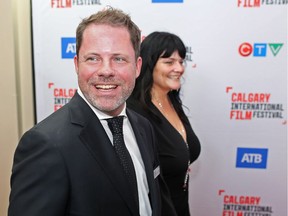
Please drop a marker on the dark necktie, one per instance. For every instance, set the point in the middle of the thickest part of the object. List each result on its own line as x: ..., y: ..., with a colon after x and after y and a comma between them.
x: 116, y: 126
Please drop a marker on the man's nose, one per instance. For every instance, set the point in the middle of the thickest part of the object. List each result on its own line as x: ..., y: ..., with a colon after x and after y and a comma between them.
x: 106, y: 68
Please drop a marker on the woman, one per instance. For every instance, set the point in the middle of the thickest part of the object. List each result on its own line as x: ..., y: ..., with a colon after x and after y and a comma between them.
x: 156, y: 96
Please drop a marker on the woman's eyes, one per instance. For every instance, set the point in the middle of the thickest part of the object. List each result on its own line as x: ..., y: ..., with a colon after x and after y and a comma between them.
x: 173, y: 62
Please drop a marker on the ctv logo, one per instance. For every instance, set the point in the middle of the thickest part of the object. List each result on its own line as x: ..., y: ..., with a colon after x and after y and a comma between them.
x: 259, y: 49
x: 68, y: 48
x: 252, y: 158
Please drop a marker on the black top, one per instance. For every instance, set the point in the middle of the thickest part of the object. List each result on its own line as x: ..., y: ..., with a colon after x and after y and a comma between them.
x: 173, y: 154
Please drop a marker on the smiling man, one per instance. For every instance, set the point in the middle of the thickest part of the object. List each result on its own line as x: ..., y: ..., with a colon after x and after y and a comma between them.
x: 67, y: 164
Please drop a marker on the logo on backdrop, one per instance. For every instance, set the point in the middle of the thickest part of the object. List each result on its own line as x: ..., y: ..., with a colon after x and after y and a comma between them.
x: 253, y: 105
x: 167, y: 1
x: 188, y: 57
x: 255, y: 158
x: 189, y: 53
x: 61, y: 96
x: 72, y: 3
x: 68, y: 47
x: 259, y: 49
x: 243, y: 205
x: 259, y: 3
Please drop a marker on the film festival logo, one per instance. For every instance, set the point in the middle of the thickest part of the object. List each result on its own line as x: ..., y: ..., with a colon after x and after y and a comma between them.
x: 188, y: 57
x: 71, y: 3
x: 61, y: 96
x: 258, y: 105
x: 243, y: 205
x: 259, y: 3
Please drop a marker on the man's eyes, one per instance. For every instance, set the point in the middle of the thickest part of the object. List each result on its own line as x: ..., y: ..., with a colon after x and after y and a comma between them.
x: 92, y: 59
x: 117, y: 59
x: 120, y: 59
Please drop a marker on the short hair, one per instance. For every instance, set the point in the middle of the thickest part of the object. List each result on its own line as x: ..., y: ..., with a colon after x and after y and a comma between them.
x: 112, y: 17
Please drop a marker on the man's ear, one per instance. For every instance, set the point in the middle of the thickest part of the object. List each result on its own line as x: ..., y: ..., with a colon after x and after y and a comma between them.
x: 76, y: 64
x: 138, y: 66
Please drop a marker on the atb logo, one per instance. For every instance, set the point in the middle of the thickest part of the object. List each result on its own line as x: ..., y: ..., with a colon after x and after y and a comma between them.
x: 252, y: 158
x: 68, y: 48
x: 259, y: 49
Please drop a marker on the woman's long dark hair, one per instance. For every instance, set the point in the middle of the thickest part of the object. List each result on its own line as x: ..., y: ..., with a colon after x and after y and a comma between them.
x: 154, y: 46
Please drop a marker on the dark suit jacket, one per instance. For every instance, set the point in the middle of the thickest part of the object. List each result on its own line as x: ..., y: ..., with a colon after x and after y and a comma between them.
x: 66, y: 165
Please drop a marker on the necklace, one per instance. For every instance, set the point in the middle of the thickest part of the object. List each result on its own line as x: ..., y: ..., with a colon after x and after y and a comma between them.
x: 159, y: 103
x: 181, y: 130
x: 185, y: 185
x: 174, y: 122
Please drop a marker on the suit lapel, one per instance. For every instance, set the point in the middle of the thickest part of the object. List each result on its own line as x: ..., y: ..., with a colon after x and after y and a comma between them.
x: 97, y: 142
x: 140, y: 134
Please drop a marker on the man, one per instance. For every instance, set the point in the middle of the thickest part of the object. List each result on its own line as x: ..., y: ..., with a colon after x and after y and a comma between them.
x: 66, y: 164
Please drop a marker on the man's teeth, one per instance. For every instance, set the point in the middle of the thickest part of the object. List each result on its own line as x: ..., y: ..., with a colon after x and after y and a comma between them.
x: 105, y: 86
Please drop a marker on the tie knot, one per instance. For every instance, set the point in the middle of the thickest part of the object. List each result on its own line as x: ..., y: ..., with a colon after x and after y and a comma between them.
x: 116, y: 124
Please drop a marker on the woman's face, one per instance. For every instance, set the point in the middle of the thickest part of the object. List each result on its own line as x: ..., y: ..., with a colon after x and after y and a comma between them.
x: 167, y: 72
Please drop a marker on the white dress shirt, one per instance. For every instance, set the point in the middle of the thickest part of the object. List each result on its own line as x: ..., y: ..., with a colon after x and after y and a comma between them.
x: 132, y: 146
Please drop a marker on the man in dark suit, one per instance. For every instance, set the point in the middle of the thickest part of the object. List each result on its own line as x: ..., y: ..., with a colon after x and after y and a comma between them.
x: 66, y: 164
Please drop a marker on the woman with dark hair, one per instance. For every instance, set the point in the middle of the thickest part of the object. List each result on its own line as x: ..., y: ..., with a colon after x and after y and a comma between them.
x: 156, y: 96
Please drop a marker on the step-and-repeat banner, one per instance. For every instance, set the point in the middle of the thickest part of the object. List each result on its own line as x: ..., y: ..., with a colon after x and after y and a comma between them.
x: 235, y: 89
